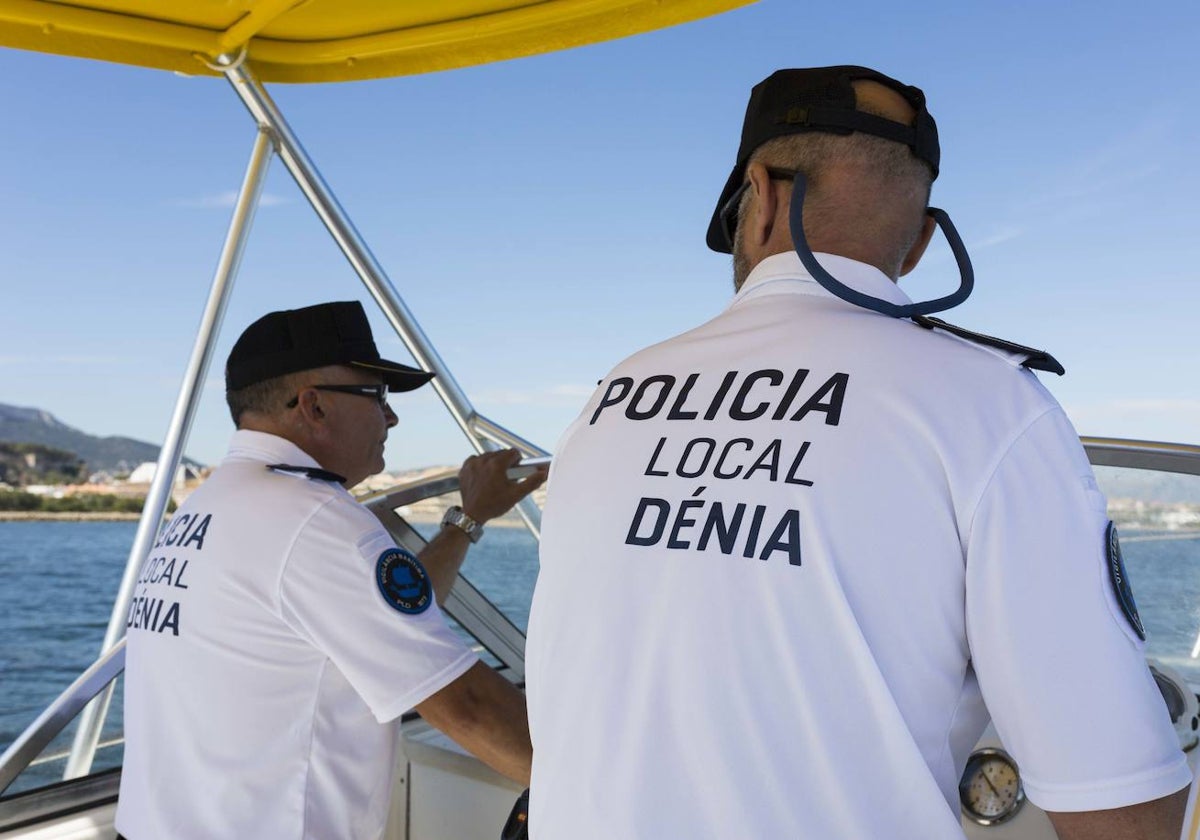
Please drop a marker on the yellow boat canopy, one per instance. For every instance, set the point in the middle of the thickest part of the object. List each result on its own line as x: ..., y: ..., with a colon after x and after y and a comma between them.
x: 330, y: 40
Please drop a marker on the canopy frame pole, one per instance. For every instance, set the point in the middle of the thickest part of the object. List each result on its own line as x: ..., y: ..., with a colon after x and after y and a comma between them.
x: 261, y: 107
x: 323, y: 201
x: 527, y: 508
x: 91, y: 721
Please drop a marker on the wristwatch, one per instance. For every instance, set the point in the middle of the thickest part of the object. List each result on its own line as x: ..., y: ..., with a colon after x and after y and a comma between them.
x: 456, y: 517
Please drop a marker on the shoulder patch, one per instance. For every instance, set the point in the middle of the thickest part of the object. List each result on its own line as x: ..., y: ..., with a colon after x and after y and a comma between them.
x: 403, y: 581
x: 1034, y: 359
x: 1119, y: 578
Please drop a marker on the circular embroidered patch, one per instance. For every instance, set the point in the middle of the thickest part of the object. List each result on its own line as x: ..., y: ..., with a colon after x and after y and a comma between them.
x: 403, y: 581
x: 1120, y: 582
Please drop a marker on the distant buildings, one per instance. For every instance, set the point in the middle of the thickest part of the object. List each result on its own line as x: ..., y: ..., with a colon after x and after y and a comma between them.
x: 1154, y: 516
x: 144, y: 474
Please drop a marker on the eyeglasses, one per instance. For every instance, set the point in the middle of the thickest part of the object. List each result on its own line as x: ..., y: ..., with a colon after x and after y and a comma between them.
x: 376, y: 390
x: 728, y: 213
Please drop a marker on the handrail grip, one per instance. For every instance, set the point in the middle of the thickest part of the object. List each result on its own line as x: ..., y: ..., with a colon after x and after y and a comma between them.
x: 1119, y: 452
x: 30, y: 743
x: 416, y: 490
x: 464, y: 603
x: 1143, y: 454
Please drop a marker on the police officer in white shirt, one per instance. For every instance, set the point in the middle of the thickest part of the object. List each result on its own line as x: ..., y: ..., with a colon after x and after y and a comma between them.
x: 793, y: 558
x: 278, y: 633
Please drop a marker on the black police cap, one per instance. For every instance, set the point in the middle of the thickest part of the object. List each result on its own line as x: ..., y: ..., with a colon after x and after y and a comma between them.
x: 302, y: 339
x: 821, y: 99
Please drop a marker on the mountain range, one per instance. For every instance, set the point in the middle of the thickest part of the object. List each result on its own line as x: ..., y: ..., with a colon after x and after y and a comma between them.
x: 111, y: 454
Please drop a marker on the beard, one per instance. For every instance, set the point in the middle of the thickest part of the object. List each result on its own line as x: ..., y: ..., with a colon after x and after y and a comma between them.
x: 741, y: 263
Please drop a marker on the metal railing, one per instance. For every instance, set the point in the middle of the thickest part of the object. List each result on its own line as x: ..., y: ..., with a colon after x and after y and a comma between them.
x: 475, y: 612
x: 275, y: 137
x: 87, y: 736
x: 60, y: 713
x: 1143, y: 455
x: 465, y: 604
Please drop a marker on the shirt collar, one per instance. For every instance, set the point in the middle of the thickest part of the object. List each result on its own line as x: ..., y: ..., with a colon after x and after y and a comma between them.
x: 785, y: 274
x: 247, y: 445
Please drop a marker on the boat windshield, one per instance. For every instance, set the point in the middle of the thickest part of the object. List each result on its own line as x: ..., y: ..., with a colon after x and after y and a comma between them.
x: 1158, y: 518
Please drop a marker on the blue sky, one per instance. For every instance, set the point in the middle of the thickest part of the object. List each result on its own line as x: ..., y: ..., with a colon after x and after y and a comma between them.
x: 545, y: 217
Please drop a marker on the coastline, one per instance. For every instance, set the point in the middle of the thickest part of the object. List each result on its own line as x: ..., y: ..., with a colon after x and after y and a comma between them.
x: 66, y: 516
x: 420, y: 518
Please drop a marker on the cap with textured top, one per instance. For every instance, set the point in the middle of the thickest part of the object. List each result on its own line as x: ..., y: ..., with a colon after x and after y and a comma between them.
x: 293, y: 340
x: 822, y: 99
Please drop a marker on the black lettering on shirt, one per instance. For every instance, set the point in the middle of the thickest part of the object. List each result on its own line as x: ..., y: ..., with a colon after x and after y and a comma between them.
x: 621, y: 385
x: 738, y: 411
x: 722, y: 525
x: 835, y: 389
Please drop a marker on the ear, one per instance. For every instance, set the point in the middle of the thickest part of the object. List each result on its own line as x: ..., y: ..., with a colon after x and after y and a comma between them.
x: 309, y: 411
x: 918, y: 249
x: 760, y: 221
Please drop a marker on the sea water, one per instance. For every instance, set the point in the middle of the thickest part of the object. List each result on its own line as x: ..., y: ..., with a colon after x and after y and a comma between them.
x: 58, y: 581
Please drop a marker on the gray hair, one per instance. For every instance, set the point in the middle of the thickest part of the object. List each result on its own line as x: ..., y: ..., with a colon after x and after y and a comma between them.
x: 267, y: 398
x: 884, y: 208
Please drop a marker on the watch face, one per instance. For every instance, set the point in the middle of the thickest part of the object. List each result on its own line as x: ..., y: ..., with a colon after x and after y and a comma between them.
x: 990, y: 790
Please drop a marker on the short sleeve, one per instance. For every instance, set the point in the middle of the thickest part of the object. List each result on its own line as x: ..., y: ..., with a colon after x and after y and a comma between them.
x: 1061, y: 667
x: 392, y: 656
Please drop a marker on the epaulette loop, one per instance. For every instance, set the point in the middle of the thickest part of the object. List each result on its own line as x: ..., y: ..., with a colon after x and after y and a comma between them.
x: 315, y: 473
x: 1034, y: 359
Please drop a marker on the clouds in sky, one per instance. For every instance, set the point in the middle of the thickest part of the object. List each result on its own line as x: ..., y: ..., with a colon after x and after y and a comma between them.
x: 63, y: 359
x: 1122, y: 161
x: 1168, y: 420
x: 939, y: 251
x: 1080, y: 184
x: 998, y: 237
x: 552, y: 395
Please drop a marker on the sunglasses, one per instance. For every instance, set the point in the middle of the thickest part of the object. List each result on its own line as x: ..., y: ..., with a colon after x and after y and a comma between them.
x: 728, y: 212
x: 377, y: 391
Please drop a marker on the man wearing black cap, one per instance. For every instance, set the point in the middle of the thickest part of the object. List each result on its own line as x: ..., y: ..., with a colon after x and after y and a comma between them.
x: 791, y: 559
x: 278, y: 633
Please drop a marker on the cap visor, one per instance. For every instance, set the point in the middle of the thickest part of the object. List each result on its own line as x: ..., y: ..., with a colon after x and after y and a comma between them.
x: 716, y: 233
x: 396, y: 376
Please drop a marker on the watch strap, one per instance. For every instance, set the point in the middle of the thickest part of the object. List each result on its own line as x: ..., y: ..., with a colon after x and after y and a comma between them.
x: 457, y: 517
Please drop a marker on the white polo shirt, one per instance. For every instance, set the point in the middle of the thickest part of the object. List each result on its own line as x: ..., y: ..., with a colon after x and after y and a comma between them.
x: 266, y: 667
x: 787, y: 557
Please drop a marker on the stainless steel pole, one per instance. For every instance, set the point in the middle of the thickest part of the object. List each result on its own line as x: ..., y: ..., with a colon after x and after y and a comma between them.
x: 59, y: 714
x: 526, y: 508
x: 348, y: 239
x: 91, y: 721
x: 495, y: 432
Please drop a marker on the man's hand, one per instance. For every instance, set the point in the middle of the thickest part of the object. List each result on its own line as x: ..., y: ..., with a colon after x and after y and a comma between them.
x: 487, y: 492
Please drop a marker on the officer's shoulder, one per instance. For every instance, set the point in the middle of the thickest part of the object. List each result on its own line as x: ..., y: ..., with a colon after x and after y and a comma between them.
x: 1017, y: 355
x: 291, y: 485
x: 323, y: 507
